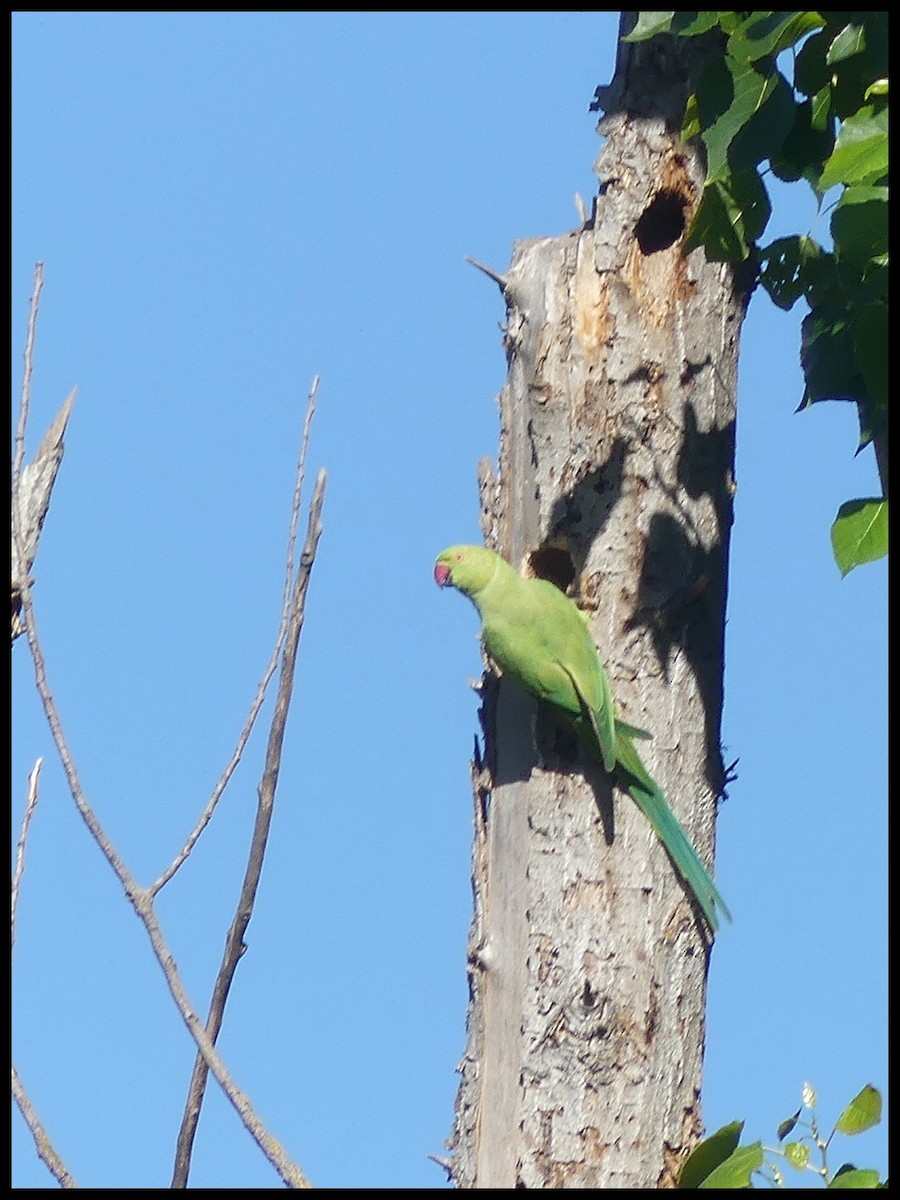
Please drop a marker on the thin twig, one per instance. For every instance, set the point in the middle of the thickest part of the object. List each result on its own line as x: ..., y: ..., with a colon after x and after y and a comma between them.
x: 501, y: 280
x: 234, y: 944
x: 276, y: 1154
x: 25, y: 398
x: 262, y: 688
x: 299, y: 479
x: 30, y: 806
x: 125, y: 878
x: 42, y: 1142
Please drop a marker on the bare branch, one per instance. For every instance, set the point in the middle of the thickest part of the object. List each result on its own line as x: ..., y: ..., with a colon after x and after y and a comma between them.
x: 501, y: 280
x: 234, y: 944
x: 295, y: 502
x: 30, y: 806
x: 125, y: 878
x: 261, y: 690
x: 25, y: 399
x: 141, y: 901
x: 42, y: 1142
x: 276, y: 1154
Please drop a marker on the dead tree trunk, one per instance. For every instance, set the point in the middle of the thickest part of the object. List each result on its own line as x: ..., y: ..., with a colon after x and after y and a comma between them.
x: 588, y: 962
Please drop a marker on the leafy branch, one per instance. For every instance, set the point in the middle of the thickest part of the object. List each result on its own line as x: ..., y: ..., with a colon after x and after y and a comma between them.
x: 720, y: 1161
x: 827, y: 124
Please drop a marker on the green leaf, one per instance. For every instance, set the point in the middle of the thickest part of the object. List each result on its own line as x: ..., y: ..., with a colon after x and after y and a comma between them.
x: 649, y: 24
x: 828, y: 359
x: 788, y: 1125
x: 709, y: 1154
x: 851, y: 76
x: 853, y: 1177
x: 864, y: 1110
x: 808, y: 143
x: 781, y: 274
x: 859, y: 226
x: 821, y: 280
x: 797, y: 1154
x: 730, y: 217
x: 849, y: 87
x: 845, y: 83
x: 690, y: 124
x: 860, y: 535
x: 715, y: 98
x: 878, y: 88
x: 745, y: 115
x: 728, y: 21
x: 690, y: 24
x: 765, y: 132
x: 860, y: 152
x: 821, y: 116
x: 870, y: 344
x: 680, y: 24
x: 851, y: 40
x: 736, y: 1170
x: 811, y: 72
x: 765, y: 34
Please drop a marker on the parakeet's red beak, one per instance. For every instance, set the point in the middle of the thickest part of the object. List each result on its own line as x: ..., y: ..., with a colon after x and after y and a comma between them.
x: 441, y: 574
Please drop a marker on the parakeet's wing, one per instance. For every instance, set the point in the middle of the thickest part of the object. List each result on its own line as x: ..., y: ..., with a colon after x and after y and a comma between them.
x: 564, y: 638
x: 566, y: 635
x: 597, y: 711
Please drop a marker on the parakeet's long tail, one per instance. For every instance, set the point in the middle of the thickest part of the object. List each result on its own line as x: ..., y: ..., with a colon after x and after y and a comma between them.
x: 647, y: 795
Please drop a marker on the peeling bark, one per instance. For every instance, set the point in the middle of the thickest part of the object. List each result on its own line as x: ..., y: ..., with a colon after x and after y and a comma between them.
x: 588, y: 962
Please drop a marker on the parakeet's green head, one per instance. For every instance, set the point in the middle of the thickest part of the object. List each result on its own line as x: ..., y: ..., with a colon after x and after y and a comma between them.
x: 468, y: 568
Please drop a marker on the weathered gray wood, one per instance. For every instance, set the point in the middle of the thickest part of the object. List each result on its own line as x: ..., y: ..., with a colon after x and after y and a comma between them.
x: 588, y: 960
x: 31, y: 501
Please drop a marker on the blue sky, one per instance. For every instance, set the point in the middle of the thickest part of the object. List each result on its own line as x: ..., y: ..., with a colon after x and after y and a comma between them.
x: 228, y: 204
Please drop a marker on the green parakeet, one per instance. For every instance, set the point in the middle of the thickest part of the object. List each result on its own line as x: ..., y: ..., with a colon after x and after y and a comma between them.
x: 535, y: 633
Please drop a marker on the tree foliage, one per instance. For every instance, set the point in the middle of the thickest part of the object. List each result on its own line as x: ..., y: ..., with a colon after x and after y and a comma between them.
x: 826, y: 122
x: 720, y: 1161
